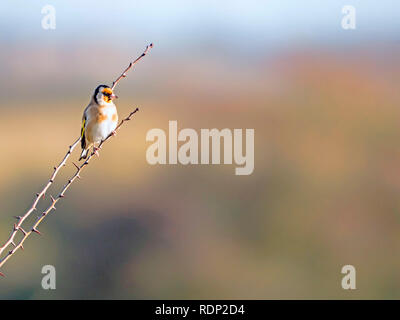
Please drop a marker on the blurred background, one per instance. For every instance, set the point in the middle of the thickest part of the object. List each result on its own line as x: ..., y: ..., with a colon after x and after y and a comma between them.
x: 324, y: 103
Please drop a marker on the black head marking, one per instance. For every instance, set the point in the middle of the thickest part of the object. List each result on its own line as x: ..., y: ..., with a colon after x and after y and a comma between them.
x: 96, y: 91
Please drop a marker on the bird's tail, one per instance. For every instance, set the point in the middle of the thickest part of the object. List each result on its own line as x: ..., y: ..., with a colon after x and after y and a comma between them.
x: 84, y: 154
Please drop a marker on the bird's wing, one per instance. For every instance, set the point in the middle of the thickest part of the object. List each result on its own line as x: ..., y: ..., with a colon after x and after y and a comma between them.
x: 83, y: 128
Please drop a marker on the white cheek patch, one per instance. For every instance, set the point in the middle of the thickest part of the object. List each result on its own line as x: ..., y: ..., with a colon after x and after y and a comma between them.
x: 100, y: 98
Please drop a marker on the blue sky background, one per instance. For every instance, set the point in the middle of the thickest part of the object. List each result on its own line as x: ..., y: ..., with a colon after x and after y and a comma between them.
x: 239, y: 24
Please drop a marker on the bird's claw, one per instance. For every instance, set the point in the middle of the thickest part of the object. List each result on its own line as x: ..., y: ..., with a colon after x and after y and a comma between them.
x: 96, y: 151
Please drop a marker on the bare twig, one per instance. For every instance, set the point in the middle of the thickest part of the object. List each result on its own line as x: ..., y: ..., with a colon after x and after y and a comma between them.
x: 123, y: 75
x: 18, y: 226
x: 40, y: 218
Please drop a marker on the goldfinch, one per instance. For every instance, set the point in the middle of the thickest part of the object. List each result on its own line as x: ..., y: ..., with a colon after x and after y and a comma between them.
x: 99, y: 119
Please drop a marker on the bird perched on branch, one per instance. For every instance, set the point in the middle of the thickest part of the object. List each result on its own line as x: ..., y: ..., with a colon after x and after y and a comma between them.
x: 99, y: 119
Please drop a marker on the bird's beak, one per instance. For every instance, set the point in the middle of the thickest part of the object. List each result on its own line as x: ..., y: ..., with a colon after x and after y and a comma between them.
x: 113, y: 96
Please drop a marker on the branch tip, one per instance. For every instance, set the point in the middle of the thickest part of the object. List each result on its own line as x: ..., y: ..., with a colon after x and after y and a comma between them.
x: 131, y: 64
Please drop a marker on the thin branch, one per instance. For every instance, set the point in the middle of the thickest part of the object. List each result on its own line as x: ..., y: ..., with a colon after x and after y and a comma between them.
x: 123, y: 75
x: 54, y: 200
x: 18, y: 227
